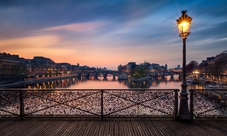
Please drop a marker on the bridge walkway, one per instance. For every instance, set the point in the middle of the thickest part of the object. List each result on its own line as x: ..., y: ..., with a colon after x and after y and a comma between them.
x: 112, y: 127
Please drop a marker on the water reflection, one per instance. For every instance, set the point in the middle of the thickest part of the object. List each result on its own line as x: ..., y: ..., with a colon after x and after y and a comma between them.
x: 109, y: 82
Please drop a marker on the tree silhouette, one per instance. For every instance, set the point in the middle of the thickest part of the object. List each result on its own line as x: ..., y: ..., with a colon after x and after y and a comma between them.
x: 138, y: 72
x: 191, y: 66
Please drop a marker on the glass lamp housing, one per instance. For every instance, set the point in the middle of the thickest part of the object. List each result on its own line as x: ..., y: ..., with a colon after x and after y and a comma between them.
x: 184, y: 23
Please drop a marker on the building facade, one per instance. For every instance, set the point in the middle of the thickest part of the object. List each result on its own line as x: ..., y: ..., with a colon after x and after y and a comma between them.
x: 12, y: 67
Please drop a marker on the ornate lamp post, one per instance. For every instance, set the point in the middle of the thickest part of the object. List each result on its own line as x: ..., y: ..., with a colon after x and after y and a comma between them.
x: 184, y: 23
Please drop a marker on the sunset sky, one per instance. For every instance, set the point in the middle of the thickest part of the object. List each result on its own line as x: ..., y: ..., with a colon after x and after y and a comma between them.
x: 107, y: 33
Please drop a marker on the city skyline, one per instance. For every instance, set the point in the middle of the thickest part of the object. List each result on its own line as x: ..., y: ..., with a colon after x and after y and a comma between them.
x: 110, y: 33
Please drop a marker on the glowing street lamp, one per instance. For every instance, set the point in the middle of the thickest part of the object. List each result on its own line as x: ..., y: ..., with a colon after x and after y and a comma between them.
x: 184, y: 23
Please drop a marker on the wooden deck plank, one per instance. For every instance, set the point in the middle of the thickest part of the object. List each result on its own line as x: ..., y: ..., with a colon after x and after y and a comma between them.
x: 135, y: 128
x: 92, y: 128
x: 18, y: 126
x: 159, y: 127
x: 116, y: 129
x: 83, y: 128
x: 219, y: 126
x: 112, y: 128
x: 4, y: 123
x: 223, y: 123
x: 120, y: 129
x: 177, y: 130
x: 102, y: 128
x: 62, y: 128
x: 6, y: 126
x: 169, y: 130
x: 50, y: 129
x: 95, y: 128
x: 211, y: 128
x: 193, y: 129
x: 75, y: 128
x: 144, y: 128
x: 123, y: 128
x: 151, y: 128
x: 88, y: 127
x: 200, y: 128
x: 127, y: 126
x: 47, y: 129
x: 108, y: 131
x: 37, y: 128
x: 140, y: 129
x: 69, y: 128
x: 130, y: 129
x: 223, y: 126
x: 186, y: 129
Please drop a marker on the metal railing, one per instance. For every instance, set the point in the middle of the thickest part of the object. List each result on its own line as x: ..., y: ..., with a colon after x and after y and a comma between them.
x: 206, y: 103
x: 105, y: 103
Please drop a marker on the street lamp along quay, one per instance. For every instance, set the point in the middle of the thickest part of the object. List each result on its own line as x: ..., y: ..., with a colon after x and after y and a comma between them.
x: 184, y: 23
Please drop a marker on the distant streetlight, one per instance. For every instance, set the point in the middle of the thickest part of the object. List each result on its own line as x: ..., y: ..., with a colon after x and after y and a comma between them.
x: 184, y: 23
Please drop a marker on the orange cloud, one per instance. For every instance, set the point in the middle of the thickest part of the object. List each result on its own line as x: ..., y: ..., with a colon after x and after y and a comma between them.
x: 29, y: 42
x: 29, y: 47
x: 77, y: 27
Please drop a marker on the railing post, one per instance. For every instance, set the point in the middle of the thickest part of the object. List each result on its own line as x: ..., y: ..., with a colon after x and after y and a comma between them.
x: 102, y: 105
x: 176, y: 103
x: 21, y: 105
x: 191, y: 103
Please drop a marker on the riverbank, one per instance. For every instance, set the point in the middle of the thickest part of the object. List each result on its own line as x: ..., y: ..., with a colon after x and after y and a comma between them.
x: 208, y: 84
x: 34, y: 81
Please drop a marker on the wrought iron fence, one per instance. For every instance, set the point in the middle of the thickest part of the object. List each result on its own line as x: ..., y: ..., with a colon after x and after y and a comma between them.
x: 208, y: 103
x: 25, y: 103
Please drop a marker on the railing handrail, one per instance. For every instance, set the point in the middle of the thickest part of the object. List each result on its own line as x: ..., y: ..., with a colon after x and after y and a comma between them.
x: 59, y: 89
x: 212, y: 90
x: 116, y: 93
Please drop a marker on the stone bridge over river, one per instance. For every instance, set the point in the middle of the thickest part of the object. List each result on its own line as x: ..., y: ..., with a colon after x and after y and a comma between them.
x: 117, y: 73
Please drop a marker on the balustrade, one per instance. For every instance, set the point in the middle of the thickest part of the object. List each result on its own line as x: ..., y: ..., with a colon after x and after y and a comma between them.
x: 26, y: 103
x: 208, y: 103
x: 108, y: 103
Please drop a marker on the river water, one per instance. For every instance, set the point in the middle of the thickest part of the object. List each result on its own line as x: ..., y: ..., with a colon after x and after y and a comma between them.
x: 111, y: 83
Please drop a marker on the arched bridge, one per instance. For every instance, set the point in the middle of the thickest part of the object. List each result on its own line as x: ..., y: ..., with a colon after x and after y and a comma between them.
x: 117, y: 73
x: 97, y: 73
x: 163, y: 74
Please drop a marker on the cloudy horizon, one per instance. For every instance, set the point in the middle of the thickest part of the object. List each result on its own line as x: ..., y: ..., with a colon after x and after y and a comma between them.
x: 109, y: 33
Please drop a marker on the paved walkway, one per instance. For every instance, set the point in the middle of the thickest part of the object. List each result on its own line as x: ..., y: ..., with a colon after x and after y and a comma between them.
x: 113, y: 128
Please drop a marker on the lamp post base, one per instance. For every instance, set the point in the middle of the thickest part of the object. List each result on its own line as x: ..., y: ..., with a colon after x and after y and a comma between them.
x: 184, y: 114
x: 184, y: 118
